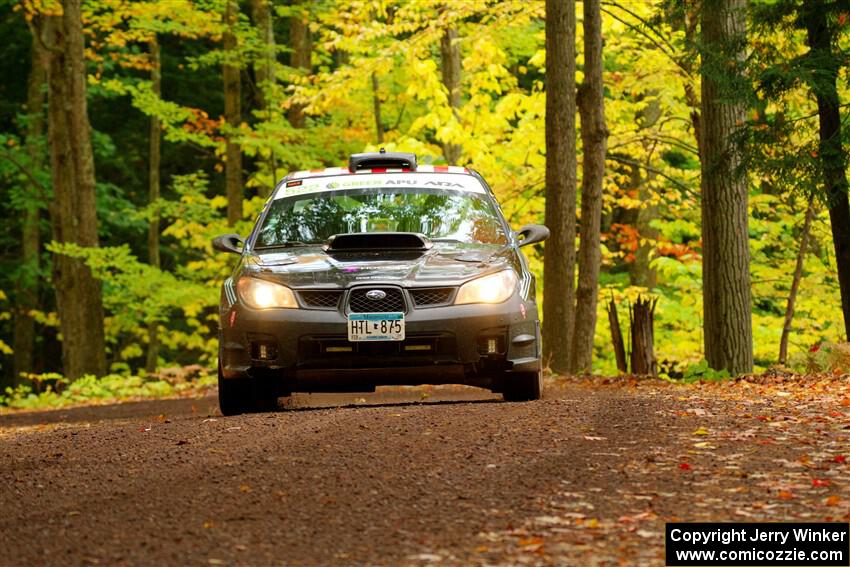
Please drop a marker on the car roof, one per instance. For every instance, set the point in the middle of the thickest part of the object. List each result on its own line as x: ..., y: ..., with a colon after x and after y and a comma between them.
x: 328, y: 171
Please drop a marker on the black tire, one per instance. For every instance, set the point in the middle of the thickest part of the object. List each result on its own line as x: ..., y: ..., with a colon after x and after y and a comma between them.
x: 522, y: 386
x: 243, y: 395
x: 235, y: 396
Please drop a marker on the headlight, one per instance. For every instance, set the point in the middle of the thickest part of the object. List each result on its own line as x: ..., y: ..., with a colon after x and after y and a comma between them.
x: 260, y: 294
x: 494, y: 288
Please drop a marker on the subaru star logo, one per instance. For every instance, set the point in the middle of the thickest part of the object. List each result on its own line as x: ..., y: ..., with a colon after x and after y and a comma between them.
x: 376, y: 294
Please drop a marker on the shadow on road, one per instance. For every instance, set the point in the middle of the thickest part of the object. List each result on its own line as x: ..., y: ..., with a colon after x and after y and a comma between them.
x: 207, y: 406
x: 398, y: 404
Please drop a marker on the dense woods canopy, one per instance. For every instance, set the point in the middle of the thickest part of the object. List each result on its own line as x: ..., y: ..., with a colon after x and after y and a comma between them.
x: 712, y: 143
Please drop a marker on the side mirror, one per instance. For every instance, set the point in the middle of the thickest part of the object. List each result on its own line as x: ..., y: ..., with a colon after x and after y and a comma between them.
x: 532, y: 233
x: 232, y: 243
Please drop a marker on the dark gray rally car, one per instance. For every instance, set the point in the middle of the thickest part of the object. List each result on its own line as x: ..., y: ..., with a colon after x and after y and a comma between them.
x: 382, y: 273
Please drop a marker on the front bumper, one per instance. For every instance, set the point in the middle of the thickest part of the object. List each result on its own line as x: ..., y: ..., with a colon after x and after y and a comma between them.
x: 308, y: 350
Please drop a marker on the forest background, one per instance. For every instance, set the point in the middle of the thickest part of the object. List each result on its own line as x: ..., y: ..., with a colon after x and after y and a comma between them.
x: 198, y: 107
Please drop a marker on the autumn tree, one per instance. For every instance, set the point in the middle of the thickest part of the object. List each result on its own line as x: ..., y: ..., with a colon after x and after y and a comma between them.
x: 594, y: 136
x: 559, y: 252
x: 264, y: 67
x: 725, y: 234
x: 232, y: 114
x: 27, y: 289
x: 154, y: 160
x: 301, y: 55
x: 822, y: 30
x: 73, y: 212
x: 450, y: 66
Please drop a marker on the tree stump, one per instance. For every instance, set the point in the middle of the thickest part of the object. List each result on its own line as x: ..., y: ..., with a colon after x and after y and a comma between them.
x: 642, y: 320
x: 617, y: 336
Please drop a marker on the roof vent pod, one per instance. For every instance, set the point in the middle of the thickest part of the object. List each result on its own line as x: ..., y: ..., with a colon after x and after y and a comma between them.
x: 382, y: 160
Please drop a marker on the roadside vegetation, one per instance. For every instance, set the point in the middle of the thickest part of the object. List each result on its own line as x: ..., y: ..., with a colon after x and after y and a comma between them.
x: 643, y: 154
x: 50, y: 391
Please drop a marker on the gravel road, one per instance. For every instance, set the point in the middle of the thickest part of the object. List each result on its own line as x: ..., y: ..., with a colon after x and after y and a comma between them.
x: 402, y: 477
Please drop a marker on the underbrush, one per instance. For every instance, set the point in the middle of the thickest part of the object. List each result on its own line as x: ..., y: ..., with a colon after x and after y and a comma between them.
x: 829, y: 357
x: 54, y: 390
x: 823, y: 358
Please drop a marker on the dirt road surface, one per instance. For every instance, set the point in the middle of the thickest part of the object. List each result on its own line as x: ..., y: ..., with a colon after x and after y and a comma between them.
x: 444, y: 476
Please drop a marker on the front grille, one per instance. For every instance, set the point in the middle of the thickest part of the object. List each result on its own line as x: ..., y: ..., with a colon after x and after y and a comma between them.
x: 393, y: 302
x: 320, y: 299
x: 431, y: 297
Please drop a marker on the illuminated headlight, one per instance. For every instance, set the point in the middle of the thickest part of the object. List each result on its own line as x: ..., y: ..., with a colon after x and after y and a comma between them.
x: 261, y: 294
x: 494, y: 288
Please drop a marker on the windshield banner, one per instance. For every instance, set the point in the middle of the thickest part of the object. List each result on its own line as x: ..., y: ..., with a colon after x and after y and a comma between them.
x: 447, y: 181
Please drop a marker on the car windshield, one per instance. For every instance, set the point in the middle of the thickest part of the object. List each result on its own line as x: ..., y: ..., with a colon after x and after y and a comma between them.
x: 438, y: 214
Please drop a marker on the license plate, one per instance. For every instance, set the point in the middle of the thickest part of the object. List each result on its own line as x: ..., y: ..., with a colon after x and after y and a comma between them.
x: 375, y: 327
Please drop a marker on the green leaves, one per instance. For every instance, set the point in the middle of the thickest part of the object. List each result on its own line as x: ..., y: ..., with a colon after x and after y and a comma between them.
x: 702, y: 372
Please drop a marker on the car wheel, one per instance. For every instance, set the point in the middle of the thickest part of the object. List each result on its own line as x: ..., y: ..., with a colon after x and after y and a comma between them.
x: 235, y: 396
x: 523, y: 386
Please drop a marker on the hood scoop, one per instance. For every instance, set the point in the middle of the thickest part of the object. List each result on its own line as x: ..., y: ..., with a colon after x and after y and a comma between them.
x: 378, y: 242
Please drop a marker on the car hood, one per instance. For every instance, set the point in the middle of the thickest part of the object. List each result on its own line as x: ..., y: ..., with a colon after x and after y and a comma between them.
x: 312, y: 267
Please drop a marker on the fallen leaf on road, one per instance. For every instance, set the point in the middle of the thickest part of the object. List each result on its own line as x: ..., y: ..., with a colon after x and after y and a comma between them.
x: 684, y: 466
x: 429, y: 557
x: 700, y: 431
x: 832, y: 500
x: 819, y: 483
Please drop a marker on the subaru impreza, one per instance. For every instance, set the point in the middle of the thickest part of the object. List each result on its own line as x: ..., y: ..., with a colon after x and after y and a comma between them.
x: 382, y: 273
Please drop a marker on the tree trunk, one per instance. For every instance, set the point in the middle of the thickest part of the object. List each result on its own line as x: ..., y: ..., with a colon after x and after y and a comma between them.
x: 264, y: 71
x: 233, y: 118
x: 642, y: 319
x: 725, y: 237
x: 300, y: 58
x: 795, y: 284
x: 74, y: 215
x: 376, y: 106
x: 692, y: 18
x: 27, y: 287
x: 641, y: 273
x: 451, y: 70
x: 153, y: 196
x: 559, y: 251
x: 594, y: 140
x: 617, y: 336
x: 832, y: 158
